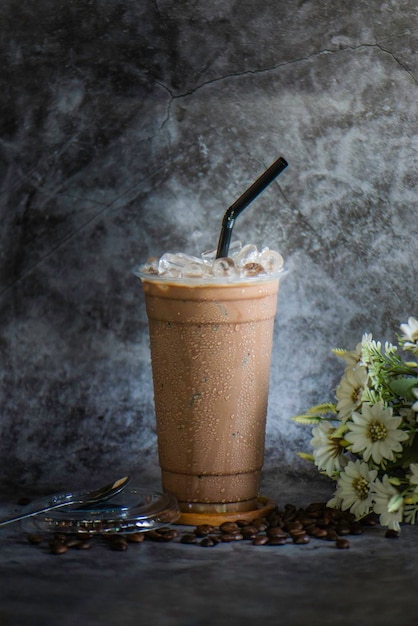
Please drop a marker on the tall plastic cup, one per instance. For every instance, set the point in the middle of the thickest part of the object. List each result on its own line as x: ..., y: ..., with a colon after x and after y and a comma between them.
x: 211, y: 347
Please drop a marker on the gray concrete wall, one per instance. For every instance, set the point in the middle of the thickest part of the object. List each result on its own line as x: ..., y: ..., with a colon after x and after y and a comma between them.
x: 126, y: 129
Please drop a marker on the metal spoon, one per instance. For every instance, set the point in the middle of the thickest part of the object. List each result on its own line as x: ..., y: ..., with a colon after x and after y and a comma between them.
x: 83, y: 497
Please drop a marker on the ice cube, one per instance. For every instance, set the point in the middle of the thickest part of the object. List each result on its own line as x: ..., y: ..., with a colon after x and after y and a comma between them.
x: 149, y: 267
x: 252, y: 269
x: 209, y: 255
x: 193, y: 270
x: 247, y: 254
x: 224, y: 267
x: 271, y: 260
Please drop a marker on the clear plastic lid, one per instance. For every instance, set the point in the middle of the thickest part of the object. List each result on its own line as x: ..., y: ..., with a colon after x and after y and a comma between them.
x: 131, y: 511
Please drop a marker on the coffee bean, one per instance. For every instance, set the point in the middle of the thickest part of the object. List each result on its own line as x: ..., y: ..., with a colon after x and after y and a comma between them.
x: 229, y: 528
x: 204, y: 529
x: 342, y: 544
x: 260, y: 540
x: 118, y: 546
x: 297, y: 532
x: 331, y: 535
x: 276, y: 532
x: 167, y: 534
x: 293, y: 525
x: 343, y: 529
x: 232, y: 537
x: 301, y: 539
x: 249, y: 532
x: 35, y: 539
x: 135, y: 537
x: 207, y: 542
x: 72, y: 542
x: 261, y: 523
x: 276, y: 541
x: 319, y: 533
x: 57, y: 547
x: 83, y: 545
x: 392, y: 534
x: 356, y: 529
x: 188, y: 538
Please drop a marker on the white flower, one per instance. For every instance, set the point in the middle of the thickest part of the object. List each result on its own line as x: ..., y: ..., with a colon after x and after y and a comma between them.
x: 388, y: 503
x: 354, y: 489
x: 327, y: 449
x: 352, y: 357
x: 415, y: 405
x: 350, y: 390
x: 410, y: 330
x: 414, y: 476
x: 410, y: 334
x: 375, y: 433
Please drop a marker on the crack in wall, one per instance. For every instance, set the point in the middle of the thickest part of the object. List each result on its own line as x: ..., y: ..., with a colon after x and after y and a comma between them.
x: 273, y: 68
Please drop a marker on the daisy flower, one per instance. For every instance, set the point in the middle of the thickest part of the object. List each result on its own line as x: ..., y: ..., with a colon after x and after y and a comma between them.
x: 354, y: 489
x: 413, y: 479
x: 410, y: 334
x: 415, y: 405
x: 352, y: 357
x: 388, y: 503
x: 350, y: 390
x: 374, y: 432
x: 327, y: 451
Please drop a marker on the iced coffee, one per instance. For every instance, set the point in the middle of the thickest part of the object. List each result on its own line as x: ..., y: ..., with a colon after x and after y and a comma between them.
x: 211, y: 327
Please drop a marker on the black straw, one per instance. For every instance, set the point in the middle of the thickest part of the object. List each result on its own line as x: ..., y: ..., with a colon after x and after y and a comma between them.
x: 243, y: 201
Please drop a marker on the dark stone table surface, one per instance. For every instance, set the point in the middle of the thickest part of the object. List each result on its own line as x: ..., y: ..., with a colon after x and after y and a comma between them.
x: 373, y: 583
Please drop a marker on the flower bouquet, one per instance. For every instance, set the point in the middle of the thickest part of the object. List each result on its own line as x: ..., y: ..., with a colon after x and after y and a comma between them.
x: 367, y: 441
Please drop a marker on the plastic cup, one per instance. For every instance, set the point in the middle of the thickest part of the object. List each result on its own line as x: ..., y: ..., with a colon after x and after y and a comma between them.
x: 211, y: 347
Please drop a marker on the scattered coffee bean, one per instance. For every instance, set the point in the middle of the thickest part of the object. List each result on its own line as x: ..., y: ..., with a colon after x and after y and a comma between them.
x: 117, y: 543
x: 280, y: 527
x: 229, y: 528
x: 249, y: 532
x: 342, y: 544
x: 276, y: 541
x: 188, y: 538
x: 207, y: 542
x: 135, y: 537
x: 293, y: 525
x: 57, y: 547
x: 260, y: 540
x: 356, y: 529
x: 82, y: 545
x: 331, y: 535
x: 392, y: 534
x: 276, y: 531
x: 203, y: 530
x: 23, y: 501
x: 35, y: 539
x: 261, y: 523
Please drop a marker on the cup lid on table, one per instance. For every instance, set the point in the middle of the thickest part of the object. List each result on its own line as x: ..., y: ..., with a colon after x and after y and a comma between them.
x: 131, y: 511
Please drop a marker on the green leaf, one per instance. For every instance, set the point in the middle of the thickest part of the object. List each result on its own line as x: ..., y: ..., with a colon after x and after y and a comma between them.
x: 403, y: 387
x: 326, y: 407
x: 339, y: 352
x: 306, y: 419
x: 409, y: 454
x: 306, y: 457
